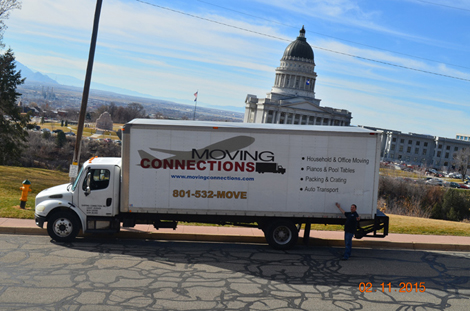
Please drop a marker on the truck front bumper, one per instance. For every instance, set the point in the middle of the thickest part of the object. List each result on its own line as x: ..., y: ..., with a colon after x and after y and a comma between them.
x: 40, y: 220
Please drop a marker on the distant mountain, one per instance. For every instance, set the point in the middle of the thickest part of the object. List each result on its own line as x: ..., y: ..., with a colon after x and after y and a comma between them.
x: 228, y: 108
x: 72, y: 81
x: 37, y: 77
x: 32, y: 76
x: 66, y: 80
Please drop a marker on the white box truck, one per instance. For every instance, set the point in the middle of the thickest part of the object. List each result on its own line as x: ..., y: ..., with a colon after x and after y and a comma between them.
x: 274, y: 177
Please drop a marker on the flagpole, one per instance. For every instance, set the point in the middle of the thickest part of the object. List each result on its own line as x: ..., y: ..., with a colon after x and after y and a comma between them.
x: 195, y: 104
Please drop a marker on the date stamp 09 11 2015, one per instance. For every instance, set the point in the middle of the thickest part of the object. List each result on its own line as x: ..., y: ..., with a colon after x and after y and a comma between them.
x: 404, y: 287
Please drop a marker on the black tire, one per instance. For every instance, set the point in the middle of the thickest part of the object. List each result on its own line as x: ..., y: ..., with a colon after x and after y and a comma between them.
x: 63, y: 226
x: 282, y: 234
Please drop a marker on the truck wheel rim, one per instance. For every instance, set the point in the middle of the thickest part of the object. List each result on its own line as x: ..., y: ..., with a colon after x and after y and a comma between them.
x: 63, y: 227
x: 282, y: 235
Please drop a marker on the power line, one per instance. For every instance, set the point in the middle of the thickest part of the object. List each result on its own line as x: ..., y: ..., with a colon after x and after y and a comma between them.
x: 288, y: 40
x: 395, y: 65
x: 228, y: 9
x: 447, y: 6
x: 340, y: 39
x: 212, y: 21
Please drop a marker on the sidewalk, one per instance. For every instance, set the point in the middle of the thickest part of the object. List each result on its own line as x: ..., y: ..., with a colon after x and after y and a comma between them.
x: 254, y: 235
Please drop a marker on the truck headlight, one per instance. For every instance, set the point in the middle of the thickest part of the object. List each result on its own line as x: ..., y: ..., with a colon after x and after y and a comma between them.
x: 40, y: 208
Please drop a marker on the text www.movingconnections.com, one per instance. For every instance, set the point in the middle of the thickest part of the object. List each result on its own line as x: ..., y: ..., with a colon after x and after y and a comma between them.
x: 213, y: 177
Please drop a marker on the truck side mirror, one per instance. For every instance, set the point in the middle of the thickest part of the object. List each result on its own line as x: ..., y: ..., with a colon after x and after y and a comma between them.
x: 88, y: 181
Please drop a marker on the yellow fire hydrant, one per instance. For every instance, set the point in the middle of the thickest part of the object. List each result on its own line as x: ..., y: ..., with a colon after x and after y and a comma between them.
x: 24, y: 194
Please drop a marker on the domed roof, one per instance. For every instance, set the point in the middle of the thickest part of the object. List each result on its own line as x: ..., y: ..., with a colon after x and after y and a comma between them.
x: 299, y: 48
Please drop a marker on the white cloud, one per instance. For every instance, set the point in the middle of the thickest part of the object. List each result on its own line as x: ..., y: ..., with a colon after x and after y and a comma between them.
x: 58, y: 14
x: 369, y: 56
x: 354, y: 15
x: 171, y: 55
x: 409, y: 113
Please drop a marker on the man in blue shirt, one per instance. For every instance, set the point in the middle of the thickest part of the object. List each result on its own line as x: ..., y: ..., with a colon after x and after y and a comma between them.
x: 350, y: 226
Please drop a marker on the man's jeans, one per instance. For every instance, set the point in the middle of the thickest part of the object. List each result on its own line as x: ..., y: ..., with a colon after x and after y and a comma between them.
x: 348, y: 243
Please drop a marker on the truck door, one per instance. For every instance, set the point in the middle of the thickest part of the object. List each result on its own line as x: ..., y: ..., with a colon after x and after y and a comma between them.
x: 96, y: 196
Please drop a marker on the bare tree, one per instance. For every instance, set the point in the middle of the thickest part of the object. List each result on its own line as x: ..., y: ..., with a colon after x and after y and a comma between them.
x: 5, y: 7
x: 135, y: 110
x: 462, y: 161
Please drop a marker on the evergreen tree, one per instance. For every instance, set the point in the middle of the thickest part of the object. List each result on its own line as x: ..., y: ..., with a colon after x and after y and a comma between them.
x: 455, y: 205
x: 60, y: 139
x: 436, y: 211
x: 12, y: 124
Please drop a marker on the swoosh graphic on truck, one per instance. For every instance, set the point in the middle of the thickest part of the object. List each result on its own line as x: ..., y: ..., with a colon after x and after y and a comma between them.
x: 229, y: 145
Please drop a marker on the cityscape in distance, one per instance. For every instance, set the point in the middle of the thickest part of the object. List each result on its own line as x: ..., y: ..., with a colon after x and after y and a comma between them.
x: 43, y: 90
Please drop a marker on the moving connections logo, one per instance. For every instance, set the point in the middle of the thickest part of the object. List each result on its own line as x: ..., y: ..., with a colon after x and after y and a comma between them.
x: 226, y: 155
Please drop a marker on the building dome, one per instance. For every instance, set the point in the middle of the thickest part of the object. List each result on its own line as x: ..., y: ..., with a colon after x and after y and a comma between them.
x: 299, y: 48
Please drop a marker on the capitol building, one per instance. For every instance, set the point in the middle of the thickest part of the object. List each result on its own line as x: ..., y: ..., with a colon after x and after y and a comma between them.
x: 292, y: 98
x: 292, y: 101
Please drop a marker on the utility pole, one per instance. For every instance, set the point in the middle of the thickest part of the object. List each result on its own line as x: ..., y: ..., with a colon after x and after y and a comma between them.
x: 73, y: 172
x: 195, y: 104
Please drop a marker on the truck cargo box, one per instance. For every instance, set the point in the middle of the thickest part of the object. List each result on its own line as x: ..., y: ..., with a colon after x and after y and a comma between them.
x: 216, y: 168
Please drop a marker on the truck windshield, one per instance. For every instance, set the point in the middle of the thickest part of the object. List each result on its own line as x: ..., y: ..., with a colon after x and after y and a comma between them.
x: 75, y: 183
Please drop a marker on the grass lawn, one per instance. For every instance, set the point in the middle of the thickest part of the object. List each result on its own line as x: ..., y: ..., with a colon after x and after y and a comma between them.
x: 416, y: 225
x: 12, y: 178
x: 86, y: 131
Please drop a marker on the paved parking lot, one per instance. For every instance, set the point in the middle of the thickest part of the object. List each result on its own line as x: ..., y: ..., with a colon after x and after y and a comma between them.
x: 115, y: 274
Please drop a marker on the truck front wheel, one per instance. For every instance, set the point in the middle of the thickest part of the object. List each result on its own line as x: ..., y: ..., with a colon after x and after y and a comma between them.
x: 63, y: 226
x: 282, y: 234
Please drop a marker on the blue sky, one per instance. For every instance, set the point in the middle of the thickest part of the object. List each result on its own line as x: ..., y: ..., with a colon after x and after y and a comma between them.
x: 228, y: 49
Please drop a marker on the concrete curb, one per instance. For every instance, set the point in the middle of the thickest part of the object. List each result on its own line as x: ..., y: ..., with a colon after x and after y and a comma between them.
x: 178, y: 236
x: 22, y: 230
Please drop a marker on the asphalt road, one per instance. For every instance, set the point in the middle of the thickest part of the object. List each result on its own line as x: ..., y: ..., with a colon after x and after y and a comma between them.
x: 111, y: 274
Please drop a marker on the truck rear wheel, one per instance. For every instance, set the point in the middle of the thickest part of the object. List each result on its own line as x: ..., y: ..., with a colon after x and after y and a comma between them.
x: 282, y: 234
x: 63, y: 226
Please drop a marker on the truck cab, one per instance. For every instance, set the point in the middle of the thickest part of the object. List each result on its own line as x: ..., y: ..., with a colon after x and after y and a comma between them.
x: 90, y: 203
